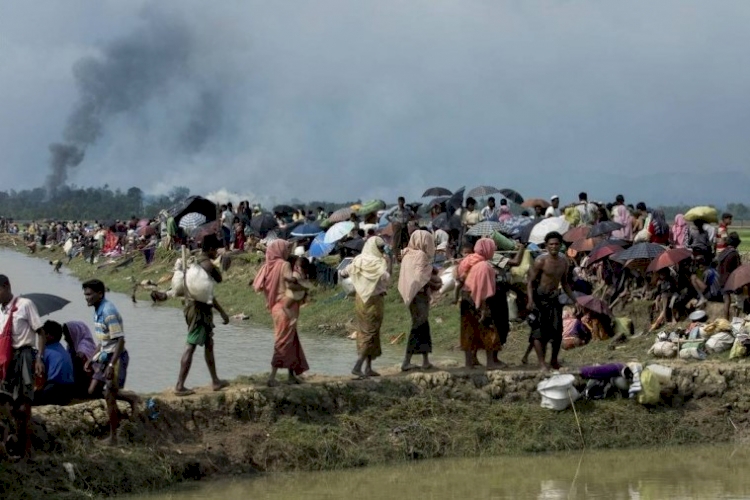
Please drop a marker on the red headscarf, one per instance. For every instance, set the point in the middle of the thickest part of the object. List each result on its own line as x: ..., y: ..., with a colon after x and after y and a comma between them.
x: 476, y: 272
x: 269, y: 276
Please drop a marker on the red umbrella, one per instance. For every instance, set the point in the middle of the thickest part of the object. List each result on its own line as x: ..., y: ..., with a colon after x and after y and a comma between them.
x: 585, y: 245
x: 669, y: 258
x: 739, y: 278
x: 146, y: 231
x: 577, y: 233
x: 533, y: 202
x: 341, y: 215
x: 593, y: 304
x: 603, y: 252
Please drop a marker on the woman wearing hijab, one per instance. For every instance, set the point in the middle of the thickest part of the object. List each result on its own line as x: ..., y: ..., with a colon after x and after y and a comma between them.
x: 658, y: 229
x: 679, y: 232
x: 81, y: 347
x: 621, y: 215
x: 272, y: 280
x: 369, y: 274
x: 477, y: 284
x: 505, y: 214
x: 417, y: 278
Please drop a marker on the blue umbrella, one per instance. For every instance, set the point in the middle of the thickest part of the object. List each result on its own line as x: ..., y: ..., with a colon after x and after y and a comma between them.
x: 319, y: 248
x: 307, y: 230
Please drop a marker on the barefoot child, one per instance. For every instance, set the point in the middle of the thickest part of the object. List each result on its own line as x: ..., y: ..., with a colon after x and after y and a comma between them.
x: 297, y: 286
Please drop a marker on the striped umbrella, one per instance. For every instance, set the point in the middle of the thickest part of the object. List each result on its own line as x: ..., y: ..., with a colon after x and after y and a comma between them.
x: 484, y: 228
x: 341, y: 215
x: 640, y: 251
x: 191, y: 221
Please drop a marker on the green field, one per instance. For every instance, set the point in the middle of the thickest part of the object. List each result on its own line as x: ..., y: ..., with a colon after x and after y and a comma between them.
x: 745, y: 237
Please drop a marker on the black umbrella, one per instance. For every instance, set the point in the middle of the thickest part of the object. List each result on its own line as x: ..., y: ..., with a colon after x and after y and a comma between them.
x: 512, y: 195
x: 446, y: 222
x: 456, y: 201
x: 286, y: 233
x: 46, y: 303
x: 640, y: 251
x: 201, y: 232
x: 438, y: 201
x: 194, y: 204
x: 436, y: 191
x: 603, y: 228
x: 524, y: 232
x: 482, y: 191
x: 263, y: 223
x: 284, y: 209
x: 414, y: 206
x: 357, y: 244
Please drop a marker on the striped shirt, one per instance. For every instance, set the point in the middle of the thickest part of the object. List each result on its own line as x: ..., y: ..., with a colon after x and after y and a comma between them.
x: 108, y: 327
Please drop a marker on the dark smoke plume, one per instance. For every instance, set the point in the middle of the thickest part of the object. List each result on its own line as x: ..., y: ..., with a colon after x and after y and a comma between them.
x: 130, y: 72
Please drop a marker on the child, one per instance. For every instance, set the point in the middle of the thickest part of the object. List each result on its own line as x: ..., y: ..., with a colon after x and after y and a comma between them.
x: 297, y: 286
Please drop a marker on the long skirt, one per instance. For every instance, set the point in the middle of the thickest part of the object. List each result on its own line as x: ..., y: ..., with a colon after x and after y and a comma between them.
x: 420, y: 341
x: 287, y: 349
x: 477, y: 335
x: 370, y: 317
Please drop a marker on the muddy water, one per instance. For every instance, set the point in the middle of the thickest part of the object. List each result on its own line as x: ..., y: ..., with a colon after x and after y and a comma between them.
x: 156, y: 335
x: 677, y: 473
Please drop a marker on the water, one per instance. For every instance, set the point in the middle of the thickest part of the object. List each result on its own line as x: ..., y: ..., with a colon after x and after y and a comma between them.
x: 677, y: 473
x: 156, y: 335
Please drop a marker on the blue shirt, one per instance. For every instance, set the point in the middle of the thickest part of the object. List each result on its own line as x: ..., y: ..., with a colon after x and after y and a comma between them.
x: 58, y: 364
x: 108, y: 327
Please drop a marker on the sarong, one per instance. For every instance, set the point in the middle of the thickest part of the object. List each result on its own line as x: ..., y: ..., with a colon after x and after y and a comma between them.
x: 287, y: 349
x: 549, y: 322
x: 477, y: 335
x: 420, y: 340
x: 200, y: 321
x: 19, y: 380
x: 370, y: 317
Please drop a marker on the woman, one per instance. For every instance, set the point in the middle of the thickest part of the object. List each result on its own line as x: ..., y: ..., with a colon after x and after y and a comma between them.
x: 369, y: 274
x: 82, y: 348
x: 679, y: 232
x: 272, y: 280
x: 621, y: 215
x: 239, y: 234
x: 505, y: 214
x: 658, y: 229
x: 476, y: 281
x: 417, y: 279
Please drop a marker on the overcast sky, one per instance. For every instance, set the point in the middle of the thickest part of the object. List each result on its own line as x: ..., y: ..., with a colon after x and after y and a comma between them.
x: 365, y: 99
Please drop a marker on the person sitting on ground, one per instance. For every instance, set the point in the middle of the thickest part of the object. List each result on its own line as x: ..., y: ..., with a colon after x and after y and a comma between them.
x: 296, y: 287
x: 575, y: 333
x: 58, y: 365
x: 81, y: 347
x: 599, y: 325
x: 727, y: 261
x: 667, y: 294
x: 706, y: 283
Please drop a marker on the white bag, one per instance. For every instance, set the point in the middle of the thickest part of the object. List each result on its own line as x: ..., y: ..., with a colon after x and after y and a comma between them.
x: 200, y: 285
x: 512, y: 307
x: 663, y: 349
x: 720, y: 342
x: 557, y: 391
x: 643, y: 236
x: 449, y: 280
x: 347, y: 285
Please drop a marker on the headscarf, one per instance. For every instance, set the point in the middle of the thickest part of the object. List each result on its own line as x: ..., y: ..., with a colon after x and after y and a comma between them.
x: 80, y: 336
x: 621, y: 215
x: 476, y: 273
x: 269, y: 276
x: 504, y: 213
x: 661, y: 227
x: 679, y: 231
x: 368, y: 267
x: 416, y: 265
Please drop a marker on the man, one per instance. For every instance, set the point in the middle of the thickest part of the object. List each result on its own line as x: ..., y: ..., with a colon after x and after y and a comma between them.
x: 59, y: 386
x: 227, y: 221
x: 722, y: 234
x: 554, y: 209
x: 321, y: 213
x: 538, y: 212
x: 490, y: 212
x: 728, y: 260
x: 20, y: 329
x: 550, y: 272
x: 469, y: 215
x: 200, y: 321
x: 400, y: 218
x: 706, y: 282
x: 110, y: 362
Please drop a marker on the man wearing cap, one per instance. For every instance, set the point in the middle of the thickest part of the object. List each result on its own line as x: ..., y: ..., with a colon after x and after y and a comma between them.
x: 553, y: 210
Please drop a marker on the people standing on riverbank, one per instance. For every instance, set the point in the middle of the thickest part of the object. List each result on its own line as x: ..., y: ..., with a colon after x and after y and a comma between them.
x: 416, y: 280
x: 369, y: 274
x: 21, y: 329
x: 110, y: 362
x: 272, y: 280
x: 199, y: 317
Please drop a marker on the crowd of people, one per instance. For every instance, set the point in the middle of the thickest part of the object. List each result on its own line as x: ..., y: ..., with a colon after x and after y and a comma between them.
x: 571, y: 283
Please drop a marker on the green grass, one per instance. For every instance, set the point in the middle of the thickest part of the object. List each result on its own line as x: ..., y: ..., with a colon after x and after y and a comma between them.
x: 745, y: 237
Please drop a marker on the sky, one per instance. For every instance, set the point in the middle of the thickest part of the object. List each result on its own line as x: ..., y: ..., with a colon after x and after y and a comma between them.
x: 341, y: 100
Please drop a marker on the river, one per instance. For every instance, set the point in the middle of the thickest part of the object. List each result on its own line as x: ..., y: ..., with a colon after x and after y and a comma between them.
x: 674, y: 473
x: 156, y: 334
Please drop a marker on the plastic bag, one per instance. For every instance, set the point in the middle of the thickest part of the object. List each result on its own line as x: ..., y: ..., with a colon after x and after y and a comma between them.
x: 692, y: 353
x: 512, y: 306
x: 720, y: 342
x: 518, y: 273
x: 738, y: 350
x: 200, y: 285
x: 449, y: 280
x: 663, y: 349
x: 623, y: 325
x: 708, y: 214
x: 650, y: 388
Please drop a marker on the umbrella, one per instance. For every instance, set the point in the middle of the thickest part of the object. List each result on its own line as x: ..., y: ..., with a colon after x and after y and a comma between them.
x: 512, y: 195
x: 194, y: 204
x: 287, y: 231
x: 46, y: 303
x: 438, y: 201
x: 482, y: 191
x: 546, y: 226
x: 512, y: 227
x: 446, y: 222
x: 202, y: 231
x: 436, y: 191
x: 605, y: 227
x: 263, y: 223
x: 456, y: 201
x: 307, y: 230
x: 534, y: 202
x: 414, y: 206
x: 318, y: 247
x: 356, y: 244
x: 342, y: 214
x: 338, y: 231
x: 145, y: 231
x: 739, y: 278
x: 577, y: 233
x: 192, y: 220
x: 143, y: 222
x: 640, y: 251
x: 593, y: 304
x: 602, y: 252
x: 586, y: 245
x: 284, y: 209
x: 484, y: 228
x: 669, y: 258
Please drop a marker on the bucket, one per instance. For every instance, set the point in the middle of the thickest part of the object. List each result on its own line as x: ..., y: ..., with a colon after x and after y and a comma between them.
x: 557, y: 392
x: 663, y: 373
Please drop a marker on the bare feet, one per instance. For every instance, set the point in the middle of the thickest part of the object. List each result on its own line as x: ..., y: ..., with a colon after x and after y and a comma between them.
x: 556, y: 365
x: 427, y: 366
x: 357, y: 372
x: 219, y: 385
x: 272, y: 382
x: 184, y: 391
x: 499, y: 365
x: 408, y: 367
x: 372, y: 373
x: 293, y: 380
x: 544, y: 368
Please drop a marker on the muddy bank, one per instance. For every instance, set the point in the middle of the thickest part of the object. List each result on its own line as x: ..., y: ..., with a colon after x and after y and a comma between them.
x: 335, y: 423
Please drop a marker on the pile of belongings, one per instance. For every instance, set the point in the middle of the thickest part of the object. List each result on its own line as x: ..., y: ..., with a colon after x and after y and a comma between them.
x: 702, y: 338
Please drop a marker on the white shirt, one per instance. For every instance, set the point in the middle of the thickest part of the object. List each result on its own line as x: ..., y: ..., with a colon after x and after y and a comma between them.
x: 26, y: 322
x: 552, y: 212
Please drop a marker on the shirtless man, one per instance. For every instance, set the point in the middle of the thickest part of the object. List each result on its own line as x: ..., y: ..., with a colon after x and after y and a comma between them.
x: 543, y: 291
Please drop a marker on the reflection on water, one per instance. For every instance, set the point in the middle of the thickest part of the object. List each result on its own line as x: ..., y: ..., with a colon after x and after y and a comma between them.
x: 156, y: 335
x: 676, y: 473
